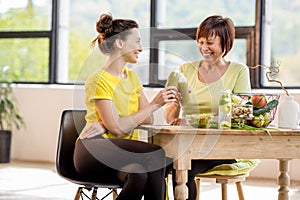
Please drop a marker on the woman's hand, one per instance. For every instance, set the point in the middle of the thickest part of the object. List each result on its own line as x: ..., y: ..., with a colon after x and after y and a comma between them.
x: 93, y: 130
x: 179, y: 122
x: 167, y: 95
x: 172, y: 109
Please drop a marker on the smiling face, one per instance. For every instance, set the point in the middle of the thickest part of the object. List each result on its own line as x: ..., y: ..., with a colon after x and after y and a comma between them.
x: 132, y: 46
x: 215, y: 28
x: 210, y: 48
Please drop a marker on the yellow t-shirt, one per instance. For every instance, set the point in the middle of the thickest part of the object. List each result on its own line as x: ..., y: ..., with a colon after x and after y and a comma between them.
x: 204, y: 97
x: 123, y: 93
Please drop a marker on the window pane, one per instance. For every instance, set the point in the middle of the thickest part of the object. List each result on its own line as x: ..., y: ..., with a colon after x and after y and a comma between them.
x: 189, y: 13
x: 238, y: 52
x: 27, y: 58
x: 285, y: 42
x: 174, y: 53
x: 81, y: 20
x: 25, y: 15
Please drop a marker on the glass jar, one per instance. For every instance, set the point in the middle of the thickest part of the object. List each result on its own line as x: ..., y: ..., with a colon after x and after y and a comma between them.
x: 224, y: 111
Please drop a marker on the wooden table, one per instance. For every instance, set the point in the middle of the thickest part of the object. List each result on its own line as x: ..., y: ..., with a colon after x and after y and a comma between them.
x: 184, y: 143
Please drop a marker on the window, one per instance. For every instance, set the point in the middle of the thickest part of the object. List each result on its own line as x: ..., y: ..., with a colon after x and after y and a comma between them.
x: 78, y: 29
x: 48, y: 41
x: 189, y: 13
x: 26, y: 36
x: 281, y: 44
x: 176, y: 23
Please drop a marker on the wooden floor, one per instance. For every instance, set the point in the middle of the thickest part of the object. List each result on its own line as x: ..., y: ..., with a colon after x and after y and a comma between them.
x: 39, y: 181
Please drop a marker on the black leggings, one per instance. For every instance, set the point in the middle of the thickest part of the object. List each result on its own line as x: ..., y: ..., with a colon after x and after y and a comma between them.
x: 199, y: 166
x: 139, y: 166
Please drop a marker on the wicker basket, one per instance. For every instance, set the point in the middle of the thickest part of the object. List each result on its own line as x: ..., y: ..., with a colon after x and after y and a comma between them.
x: 266, y: 108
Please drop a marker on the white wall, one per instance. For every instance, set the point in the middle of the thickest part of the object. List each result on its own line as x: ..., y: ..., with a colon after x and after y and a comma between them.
x: 41, y: 107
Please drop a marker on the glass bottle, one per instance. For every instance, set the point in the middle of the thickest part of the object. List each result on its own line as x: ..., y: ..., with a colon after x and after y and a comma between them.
x: 177, y: 79
x: 173, y: 78
x: 224, y: 111
x: 183, y: 89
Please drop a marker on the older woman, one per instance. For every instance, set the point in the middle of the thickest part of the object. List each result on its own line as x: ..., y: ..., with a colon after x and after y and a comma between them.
x: 206, y: 78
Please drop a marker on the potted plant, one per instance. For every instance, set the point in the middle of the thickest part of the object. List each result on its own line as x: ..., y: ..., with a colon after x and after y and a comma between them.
x: 9, y: 114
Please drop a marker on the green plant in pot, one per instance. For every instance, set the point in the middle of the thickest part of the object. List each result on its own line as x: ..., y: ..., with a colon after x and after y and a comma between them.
x: 9, y: 114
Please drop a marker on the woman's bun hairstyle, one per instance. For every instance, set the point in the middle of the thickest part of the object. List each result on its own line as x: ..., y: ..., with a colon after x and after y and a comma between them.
x: 110, y: 29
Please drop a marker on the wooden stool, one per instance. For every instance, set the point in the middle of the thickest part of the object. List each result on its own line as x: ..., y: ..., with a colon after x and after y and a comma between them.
x: 224, y: 180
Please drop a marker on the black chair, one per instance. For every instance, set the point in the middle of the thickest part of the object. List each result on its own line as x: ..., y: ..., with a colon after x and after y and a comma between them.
x: 72, y: 122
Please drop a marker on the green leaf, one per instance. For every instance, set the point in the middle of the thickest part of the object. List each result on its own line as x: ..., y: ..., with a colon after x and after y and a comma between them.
x: 9, y: 115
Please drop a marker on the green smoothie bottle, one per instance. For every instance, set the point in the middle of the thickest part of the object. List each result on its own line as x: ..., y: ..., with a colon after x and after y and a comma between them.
x: 173, y: 78
x: 184, y: 90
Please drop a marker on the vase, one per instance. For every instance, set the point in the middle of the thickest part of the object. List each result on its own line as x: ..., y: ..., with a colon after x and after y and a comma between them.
x: 5, y: 145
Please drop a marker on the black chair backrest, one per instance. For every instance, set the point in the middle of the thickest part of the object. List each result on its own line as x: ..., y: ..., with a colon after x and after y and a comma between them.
x: 72, y: 123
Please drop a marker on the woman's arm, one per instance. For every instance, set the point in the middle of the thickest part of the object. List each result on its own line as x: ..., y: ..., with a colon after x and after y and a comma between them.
x: 143, y: 102
x: 172, y: 111
x: 119, y: 125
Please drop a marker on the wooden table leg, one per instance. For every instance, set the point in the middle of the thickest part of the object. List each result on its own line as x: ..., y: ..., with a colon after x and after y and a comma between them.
x: 182, y: 164
x: 181, y: 190
x: 283, y: 179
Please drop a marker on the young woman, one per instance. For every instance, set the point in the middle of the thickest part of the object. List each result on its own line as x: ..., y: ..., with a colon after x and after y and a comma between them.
x: 206, y: 79
x: 116, y: 104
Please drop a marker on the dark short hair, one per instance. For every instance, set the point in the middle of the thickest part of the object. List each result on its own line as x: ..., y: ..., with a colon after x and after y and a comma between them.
x: 217, y: 25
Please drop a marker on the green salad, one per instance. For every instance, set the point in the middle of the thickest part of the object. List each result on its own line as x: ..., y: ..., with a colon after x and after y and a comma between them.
x: 202, y: 120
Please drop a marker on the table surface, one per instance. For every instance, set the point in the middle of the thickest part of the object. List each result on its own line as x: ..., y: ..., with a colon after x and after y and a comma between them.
x: 185, y: 143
